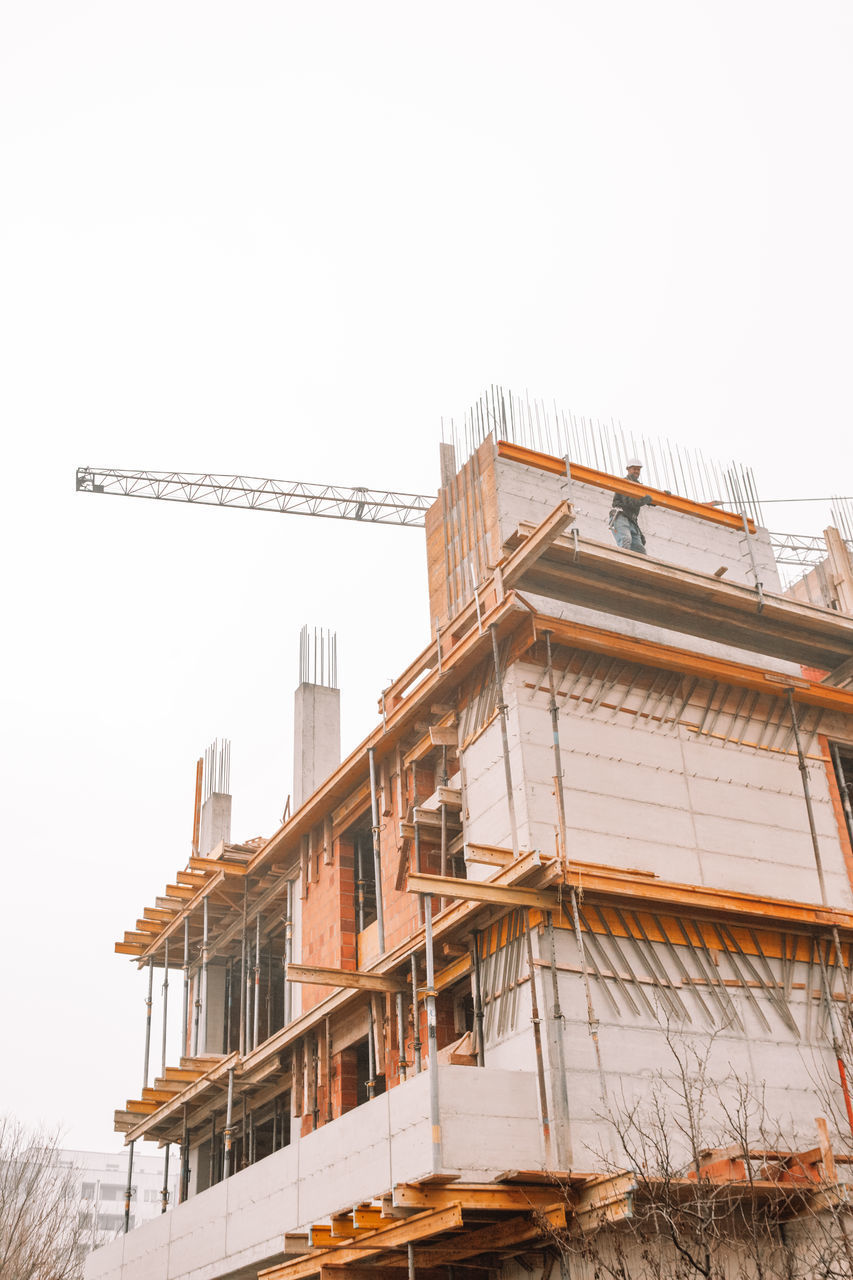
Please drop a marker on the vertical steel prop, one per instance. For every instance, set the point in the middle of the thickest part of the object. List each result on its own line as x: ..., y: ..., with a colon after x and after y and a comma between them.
x: 432, y: 1039
x: 149, y: 1000
x: 243, y: 970
x: 504, y: 710
x: 229, y: 1115
x: 185, y: 1016
x: 204, y: 951
x: 164, y: 1194
x: 128, y: 1191
x: 479, y: 1016
x: 401, y: 1037
x: 165, y: 1004
x: 257, y: 1010
x: 377, y: 864
x: 416, y: 1017
x: 288, y: 954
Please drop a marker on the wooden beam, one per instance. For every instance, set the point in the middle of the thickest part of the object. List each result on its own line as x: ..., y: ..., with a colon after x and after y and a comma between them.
x: 537, y: 543
x: 325, y: 977
x: 480, y: 891
x: 670, y: 658
x: 474, y: 1196
x: 489, y: 854
x: 400, y: 1233
x: 495, y: 1237
x: 617, y: 484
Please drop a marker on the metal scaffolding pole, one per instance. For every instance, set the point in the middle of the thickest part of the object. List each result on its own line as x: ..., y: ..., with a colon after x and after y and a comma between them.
x: 432, y: 1038
x: 243, y: 971
x: 288, y: 954
x: 149, y: 1000
x: 416, y: 1017
x: 204, y: 948
x: 165, y: 1004
x: 502, y: 708
x: 164, y: 1194
x: 377, y: 864
x: 186, y: 1010
x: 257, y: 1011
x: 128, y: 1191
x: 229, y: 1112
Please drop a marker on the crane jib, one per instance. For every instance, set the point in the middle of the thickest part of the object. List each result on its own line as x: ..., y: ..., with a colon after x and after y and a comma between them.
x: 259, y: 494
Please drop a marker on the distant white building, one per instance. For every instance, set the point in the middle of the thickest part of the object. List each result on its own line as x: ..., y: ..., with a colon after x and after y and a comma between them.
x: 102, y: 1177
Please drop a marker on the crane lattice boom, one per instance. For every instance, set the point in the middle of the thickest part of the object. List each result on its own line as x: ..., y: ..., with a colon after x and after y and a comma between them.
x: 258, y: 494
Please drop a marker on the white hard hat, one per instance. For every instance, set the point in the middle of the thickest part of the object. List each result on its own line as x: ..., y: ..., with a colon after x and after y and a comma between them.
x: 633, y: 462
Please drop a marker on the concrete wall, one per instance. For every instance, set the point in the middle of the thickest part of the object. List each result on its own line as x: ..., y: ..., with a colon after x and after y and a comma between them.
x: 788, y: 1075
x: 665, y: 799
x: 528, y: 494
x: 489, y: 1124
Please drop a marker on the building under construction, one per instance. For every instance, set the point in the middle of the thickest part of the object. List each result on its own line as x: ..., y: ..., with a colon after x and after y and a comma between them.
x: 603, y: 824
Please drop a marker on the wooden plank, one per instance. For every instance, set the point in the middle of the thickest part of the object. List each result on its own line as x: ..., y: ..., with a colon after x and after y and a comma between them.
x: 391, y: 1237
x: 180, y: 891
x: 128, y: 948
x: 326, y: 977
x: 160, y: 914
x: 149, y: 926
x: 481, y: 891
x: 489, y: 854
x: 451, y: 796
x: 474, y: 1196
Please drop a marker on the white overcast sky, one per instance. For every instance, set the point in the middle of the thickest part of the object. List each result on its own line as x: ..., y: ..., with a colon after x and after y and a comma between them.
x: 286, y: 240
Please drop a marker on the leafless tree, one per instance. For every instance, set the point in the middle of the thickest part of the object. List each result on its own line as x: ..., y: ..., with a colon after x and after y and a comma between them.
x: 42, y: 1233
x: 686, y: 1201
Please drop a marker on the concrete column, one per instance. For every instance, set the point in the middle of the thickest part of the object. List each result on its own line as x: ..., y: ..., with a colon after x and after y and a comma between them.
x: 316, y: 738
x: 215, y: 822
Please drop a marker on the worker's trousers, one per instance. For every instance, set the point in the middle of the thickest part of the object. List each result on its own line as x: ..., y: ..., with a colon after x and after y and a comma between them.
x: 627, y: 534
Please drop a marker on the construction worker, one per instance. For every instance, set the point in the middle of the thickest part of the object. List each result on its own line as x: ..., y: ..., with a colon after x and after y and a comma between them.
x: 625, y: 513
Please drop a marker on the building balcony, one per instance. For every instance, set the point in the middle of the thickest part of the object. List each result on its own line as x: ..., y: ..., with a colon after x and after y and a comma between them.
x: 489, y: 1124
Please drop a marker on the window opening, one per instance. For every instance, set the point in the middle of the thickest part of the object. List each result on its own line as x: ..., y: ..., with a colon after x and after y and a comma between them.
x: 362, y: 1069
x: 361, y: 835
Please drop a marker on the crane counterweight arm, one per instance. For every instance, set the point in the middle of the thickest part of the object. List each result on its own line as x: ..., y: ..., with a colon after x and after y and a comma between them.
x: 256, y: 494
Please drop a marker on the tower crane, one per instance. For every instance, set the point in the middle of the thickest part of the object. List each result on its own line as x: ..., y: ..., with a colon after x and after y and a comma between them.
x: 377, y: 506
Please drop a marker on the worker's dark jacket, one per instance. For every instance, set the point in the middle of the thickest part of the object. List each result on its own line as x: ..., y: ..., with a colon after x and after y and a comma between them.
x: 625, y: 505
